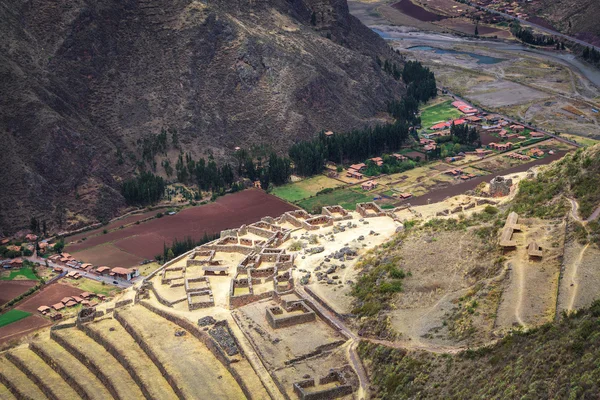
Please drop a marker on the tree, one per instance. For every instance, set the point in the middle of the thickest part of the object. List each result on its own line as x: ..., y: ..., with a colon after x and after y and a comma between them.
x: 170, y: 255
x: 313, y: 19
x: 476, y: 30
x: 34, y: 225
x: 59, y: 245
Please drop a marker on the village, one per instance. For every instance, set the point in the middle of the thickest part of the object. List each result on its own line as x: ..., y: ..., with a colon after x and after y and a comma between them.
x: 433, y: 167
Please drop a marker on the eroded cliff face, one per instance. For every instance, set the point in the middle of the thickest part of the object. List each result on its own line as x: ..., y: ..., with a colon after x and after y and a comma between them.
x: 82, y: 79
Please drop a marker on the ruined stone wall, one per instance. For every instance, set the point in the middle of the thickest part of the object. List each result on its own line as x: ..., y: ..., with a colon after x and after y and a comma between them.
x: 240, y: 301
x: 282, y: 321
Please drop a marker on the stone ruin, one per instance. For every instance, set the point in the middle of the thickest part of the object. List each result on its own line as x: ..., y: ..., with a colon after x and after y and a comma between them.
x: 302, y: 219
x: 86, y: 315
x: 368, y: 210
x: 500, y: 186
x: 270, y: 267
x: 338, y: 213
x: 289, y: 313
x: 337, y: 383
x: 199, y: 293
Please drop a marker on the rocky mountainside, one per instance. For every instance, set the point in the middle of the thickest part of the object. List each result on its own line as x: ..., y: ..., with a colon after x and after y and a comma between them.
x: 573, y: 17
x: 84, y: 80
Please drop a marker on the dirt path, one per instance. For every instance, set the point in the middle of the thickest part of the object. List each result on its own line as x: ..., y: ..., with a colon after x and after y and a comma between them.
x: 594, y: 215
x: 574, y: 278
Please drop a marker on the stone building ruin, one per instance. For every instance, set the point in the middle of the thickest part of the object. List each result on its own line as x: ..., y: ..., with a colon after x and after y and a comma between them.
x: 500, y: 186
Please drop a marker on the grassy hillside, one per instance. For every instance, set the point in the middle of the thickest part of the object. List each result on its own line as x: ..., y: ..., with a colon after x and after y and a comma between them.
x: 576, y: 176
x: 559, y: 361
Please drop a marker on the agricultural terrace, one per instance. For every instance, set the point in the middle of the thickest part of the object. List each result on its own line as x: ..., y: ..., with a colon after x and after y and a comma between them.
x: 12, y: 316
x: 438, y: 113
x: 305, y: 188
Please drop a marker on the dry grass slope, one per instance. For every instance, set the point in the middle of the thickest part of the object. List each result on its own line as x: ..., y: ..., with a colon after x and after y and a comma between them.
x: 102, y: 361
x: 110, y: 331
x: 71, y: 369
x: 18, y: 382
x: 41, y: 373
x: 187, y: 360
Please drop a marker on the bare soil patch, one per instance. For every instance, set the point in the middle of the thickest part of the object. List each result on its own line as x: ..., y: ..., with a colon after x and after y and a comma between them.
x: 412, y: 10
x: 47, y: 296
x: 11, y: 289
x: 110, y: 255
x: 446, y: 275
x: 146, y: 239
x: 113, y: 225
x: 22, y: 327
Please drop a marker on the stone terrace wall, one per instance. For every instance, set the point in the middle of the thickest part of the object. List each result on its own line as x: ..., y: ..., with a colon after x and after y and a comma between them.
x: 118, y: 356
x: 207, y: 341
x: 91, y: 365
x: 151, y: 355
x: 39, y: 350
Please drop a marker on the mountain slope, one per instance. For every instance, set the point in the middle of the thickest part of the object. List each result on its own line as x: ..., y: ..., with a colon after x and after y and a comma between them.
x: 555, y: 361
x: 85, y: 78
x: 573, y: 17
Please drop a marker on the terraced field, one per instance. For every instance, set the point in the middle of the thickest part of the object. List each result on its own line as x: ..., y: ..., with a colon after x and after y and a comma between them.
x: 41, y: 374
x: 192, y: 366
x: 100, y: 362
x: 17, y: 381
x: 71, y: 370
x: 113, y: 336
x: 5, y: 393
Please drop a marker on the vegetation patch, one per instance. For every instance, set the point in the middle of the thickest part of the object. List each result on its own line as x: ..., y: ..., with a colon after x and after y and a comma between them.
x: 556, y: 360
x: 12, y: 316
x: 346, y: 197
x: 297, y: 191
x: 577, y: 175
x: 438, y: 113
x: 22, y: 273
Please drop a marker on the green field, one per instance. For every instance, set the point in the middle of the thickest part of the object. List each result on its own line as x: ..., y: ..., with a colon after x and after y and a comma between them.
x: 23, y: 273
x: 297, y: 191
x: 12, y: 316
x: 346, y: 198
x: 89, y: 285
x: 438, y: 113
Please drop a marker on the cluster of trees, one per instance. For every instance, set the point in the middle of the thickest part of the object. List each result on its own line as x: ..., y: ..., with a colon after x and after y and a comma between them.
x: 357, y: 145
x: 207, y: 175
x: 178, y: 247
x: 146, y: 188
x: 391, y: 68
x: 591, y: 54
x: 36, y: 227
x: 266, y: 167
x: 6, y: 253
x: 152, y: 145
x: 420, y: 81
x: 526, y: 35
x: 390, y: 166
x: 463, y: 134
